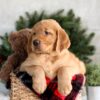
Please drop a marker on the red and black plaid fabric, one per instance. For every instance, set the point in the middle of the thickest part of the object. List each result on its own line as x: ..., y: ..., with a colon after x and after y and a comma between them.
x: 51, y: 92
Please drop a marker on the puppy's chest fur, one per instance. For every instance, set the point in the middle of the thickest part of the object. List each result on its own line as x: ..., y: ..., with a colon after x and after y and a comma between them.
x: 49, y: 63
x: 42, y: 60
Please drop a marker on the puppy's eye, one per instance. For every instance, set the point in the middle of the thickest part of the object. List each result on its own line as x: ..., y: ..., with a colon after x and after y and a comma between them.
x: 34, y: 33
x: 47, y: 33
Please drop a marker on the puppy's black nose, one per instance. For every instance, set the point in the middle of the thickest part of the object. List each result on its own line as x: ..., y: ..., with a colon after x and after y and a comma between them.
x: 36, y: 42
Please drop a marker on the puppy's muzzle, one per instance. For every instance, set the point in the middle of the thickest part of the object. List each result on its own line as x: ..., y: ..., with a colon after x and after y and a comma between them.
x: 36, y: 43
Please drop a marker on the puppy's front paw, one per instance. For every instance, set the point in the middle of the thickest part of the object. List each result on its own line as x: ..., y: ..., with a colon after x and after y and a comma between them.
x: 39, y: 87
x: 65, y: 89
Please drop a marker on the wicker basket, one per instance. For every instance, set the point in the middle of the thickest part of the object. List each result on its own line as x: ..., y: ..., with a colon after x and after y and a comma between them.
x: 19, y: 91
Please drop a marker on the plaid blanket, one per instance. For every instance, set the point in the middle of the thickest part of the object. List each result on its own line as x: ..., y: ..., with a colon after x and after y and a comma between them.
x: 51, y: 92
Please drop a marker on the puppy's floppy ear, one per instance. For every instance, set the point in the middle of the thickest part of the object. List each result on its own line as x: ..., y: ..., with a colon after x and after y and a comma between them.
x: 62, y: 40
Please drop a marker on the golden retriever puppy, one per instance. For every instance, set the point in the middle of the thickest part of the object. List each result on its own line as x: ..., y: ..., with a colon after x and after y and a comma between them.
x: 48, y: 55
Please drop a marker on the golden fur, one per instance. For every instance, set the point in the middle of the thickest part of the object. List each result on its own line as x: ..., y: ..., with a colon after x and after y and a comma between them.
x: 51, y: 57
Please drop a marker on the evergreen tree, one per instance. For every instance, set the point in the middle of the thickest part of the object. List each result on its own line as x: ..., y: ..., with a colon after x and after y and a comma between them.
x: 80, y: 40
x: 5, y: 49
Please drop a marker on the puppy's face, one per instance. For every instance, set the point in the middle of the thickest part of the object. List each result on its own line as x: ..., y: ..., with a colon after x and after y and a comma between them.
x: 45, y: 37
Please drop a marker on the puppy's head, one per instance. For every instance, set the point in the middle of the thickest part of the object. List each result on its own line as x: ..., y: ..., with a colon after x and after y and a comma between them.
x: 48, y: 36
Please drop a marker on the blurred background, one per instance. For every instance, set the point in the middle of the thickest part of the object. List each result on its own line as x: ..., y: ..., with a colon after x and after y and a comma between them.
x: 75, y: 16
x: 88, y: 10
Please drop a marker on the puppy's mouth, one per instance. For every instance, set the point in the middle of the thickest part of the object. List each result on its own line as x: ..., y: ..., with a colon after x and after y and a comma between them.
x: 37, y: 49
